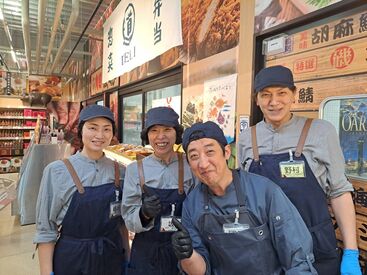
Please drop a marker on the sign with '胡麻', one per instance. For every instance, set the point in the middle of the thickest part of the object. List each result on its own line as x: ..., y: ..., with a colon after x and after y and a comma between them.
x: 138, y: 31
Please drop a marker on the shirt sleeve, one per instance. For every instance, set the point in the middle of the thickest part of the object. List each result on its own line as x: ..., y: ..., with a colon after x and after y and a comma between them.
x: 197, y: 243
x: 244, y: 150
x: 290, y: 236
x: 331, y: 155
x: 48, y: 207
x: 132, y: 201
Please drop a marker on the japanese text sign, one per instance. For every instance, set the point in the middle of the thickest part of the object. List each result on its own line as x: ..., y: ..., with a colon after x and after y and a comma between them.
x: 138, y: 31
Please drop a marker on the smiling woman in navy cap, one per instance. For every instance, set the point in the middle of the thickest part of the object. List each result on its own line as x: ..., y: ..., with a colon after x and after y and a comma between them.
x: 235, y: 222
x: 303, y: 156
x: 153, y: 192
x: 78, y: 219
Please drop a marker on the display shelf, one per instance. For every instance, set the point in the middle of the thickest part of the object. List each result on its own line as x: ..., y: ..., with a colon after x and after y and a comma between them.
x: 17, y: 124
x: 20, y: 117
x: 15, y: 138
x: 17, y: 127
x: 23, y: 107
x: 117, y: 157
x: 19, y: 154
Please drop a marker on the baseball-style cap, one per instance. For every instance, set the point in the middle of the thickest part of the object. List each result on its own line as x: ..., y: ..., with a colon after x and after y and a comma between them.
x: 201, y: 130
x: 161, y: 116
x: 274, y: 76
x: 94, y: 111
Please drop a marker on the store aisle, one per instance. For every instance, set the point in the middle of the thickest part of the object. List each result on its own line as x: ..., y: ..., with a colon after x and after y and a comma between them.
x: 16, y: 247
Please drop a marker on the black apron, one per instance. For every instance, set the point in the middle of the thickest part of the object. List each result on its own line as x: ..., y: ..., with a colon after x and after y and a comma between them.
x: 246, y: 252
x: 309, y: 199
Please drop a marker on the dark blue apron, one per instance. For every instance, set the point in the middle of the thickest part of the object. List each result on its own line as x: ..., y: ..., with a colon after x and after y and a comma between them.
x: 90, y: 242
x: 309, y: 199
x: 247, y: 252
x: 151, y: 251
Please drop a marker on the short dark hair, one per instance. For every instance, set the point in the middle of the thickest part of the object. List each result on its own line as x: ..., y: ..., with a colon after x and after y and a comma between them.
x: 178, y: 128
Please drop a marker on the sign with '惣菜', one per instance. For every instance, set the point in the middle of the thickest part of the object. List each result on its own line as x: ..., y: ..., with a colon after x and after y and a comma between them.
x: 138, y: 31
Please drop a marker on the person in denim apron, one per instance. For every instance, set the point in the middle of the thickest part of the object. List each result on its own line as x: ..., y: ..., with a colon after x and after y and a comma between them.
x: 154, y: 190
x: 303, y: 156
x: 235, y: 222
x: 79, y: 225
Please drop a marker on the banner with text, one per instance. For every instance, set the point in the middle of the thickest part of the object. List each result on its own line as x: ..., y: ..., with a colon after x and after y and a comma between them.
x: 137, y: 32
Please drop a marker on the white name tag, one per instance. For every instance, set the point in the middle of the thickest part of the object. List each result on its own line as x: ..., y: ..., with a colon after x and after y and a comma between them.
x: 234, y: 227
x: 115, y: 209
x: 167, y: 225
x: 292, y: 169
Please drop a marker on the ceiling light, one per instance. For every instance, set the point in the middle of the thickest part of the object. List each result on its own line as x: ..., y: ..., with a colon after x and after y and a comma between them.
x: 7, y: 32
x: 13, y: 56
x: 1, y: 15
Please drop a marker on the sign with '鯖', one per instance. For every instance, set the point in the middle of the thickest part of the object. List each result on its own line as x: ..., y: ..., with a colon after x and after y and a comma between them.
x: 138, y: 31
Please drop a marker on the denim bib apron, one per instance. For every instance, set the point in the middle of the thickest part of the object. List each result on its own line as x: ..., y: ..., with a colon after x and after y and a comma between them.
x: 309, y: 199
x: 151, y: 251
x: 246, y: 252
x: 90, y: 242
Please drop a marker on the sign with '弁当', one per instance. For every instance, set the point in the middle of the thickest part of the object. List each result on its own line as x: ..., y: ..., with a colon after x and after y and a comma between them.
x: 138, y: 31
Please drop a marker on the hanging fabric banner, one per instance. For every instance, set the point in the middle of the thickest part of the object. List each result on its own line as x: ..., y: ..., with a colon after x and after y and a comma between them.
x: 138, y: 31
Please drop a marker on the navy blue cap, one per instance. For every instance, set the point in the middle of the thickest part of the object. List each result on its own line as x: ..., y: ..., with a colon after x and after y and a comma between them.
x: 94, y: 111
x: 274, y: 76
x: 201, y: 130
x: 161, y: 116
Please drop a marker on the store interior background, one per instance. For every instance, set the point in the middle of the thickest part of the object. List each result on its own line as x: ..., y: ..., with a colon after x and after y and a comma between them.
x: 55, y: 47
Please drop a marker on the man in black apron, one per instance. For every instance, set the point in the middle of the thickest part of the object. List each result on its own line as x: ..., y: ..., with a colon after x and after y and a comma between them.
x: 235, y: 222
x: 304, y: 158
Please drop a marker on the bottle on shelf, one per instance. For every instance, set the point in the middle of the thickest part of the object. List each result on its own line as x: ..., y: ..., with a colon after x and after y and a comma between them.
x: 60, y: 136
x: 53, y: 137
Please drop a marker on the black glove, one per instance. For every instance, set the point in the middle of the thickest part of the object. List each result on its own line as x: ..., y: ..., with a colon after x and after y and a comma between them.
x: 181, y: 241
x: 151, y: 206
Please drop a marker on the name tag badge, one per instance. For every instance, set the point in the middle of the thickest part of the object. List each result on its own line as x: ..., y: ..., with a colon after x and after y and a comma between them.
x: 292, y: 169
x: 115, y: 209
x: 167, y: 225
x: 235, y: 227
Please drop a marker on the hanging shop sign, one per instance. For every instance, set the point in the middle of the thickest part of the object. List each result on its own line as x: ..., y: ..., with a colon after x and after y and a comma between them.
x: 338, y: 31
x: 220, y: 103
x: 138, y: 31
x: 341, y: 59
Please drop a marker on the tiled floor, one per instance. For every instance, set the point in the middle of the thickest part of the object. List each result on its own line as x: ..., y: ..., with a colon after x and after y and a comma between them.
x: 16, y: 247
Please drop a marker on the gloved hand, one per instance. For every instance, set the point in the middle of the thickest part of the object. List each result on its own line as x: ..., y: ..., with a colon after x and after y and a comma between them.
x: 350, y: 263
x: 181, y: 241
x: 151, y: 206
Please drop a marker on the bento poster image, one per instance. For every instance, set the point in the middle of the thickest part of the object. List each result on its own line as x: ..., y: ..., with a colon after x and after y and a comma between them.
x: 220, y: 103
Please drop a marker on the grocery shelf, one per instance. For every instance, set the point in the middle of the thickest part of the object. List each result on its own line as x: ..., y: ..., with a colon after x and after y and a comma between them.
x: 17, y: 127
x: 20, y: 117
x: 23, y: 107
x: 15, y: 138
